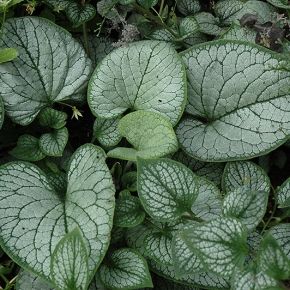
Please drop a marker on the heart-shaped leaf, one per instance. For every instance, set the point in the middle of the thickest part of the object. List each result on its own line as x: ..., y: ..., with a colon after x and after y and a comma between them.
x: 39, y: 216
x: 236, y: 32
x: 167, y: 189
x: 52, y: 118
x: 8, y: 54
x: 27, y: 149
x: 249, y: 206
x: 245, y: 173
x: 139, y: 77
x: 232, y: 88
x: 126, y: 269
x: 79, y: 14
x: 51, y: 67
x: 150, y: 133
x: 53, y: 144
x: 69, y: 262
x: 221, y: 244
x: 106, y: 131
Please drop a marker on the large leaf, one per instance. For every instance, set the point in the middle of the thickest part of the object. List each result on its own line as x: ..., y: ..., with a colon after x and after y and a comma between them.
x: 284, y: 4
x: 146, y: 75
x: 249, y: 206
x: 166, y: 188
x: 250, y: 280
x: 230, y: 10
x: 232, y: 88
x: 236, y: 32
x: 245, y: 173
x: 125, y: 269
x: 51, y: 67
x: 39, y: 217
x: 150, y: 133
x: 283, y: 194
x: 220, y: 244
x: 69, y: 262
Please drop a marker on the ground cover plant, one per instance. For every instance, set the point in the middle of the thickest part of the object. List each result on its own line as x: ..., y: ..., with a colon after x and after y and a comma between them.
x: 144, y: 144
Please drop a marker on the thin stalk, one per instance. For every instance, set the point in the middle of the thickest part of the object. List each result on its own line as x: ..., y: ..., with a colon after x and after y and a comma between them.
x: 161, y: 7
x: 85, y: 33
x: 154, y: 18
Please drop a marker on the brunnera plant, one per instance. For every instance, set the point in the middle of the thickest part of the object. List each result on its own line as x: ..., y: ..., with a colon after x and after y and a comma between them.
x: 144, y: 145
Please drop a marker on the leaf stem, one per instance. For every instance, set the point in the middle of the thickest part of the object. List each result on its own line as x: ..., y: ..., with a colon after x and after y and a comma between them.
x: 154, y: 18
x: 161, y: 7
x: 271, y: 216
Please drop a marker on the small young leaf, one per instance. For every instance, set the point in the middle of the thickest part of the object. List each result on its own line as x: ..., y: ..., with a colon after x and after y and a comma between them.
x: 150, y: 133
x: 220, y: 244
x: 166, y: 188
x: 106, y: 131
x: 188, y: 7
x: 126, y: 269
x: 139, y: 77
x: 245, y: 173
x: 128, y: 212
x: 39, y: 216
x: 27, y: 149
x: 58, y: 5
x: 53, y: 144
x: 44, y: 72
x: 283, y: 194
x: 188, y: 26
x: 26, y: 280
x: 69, y: 262
x: 221, y: 123
x: 52, y: 118
x: 272, y: 260
x: 79, y: 14
x: 250, y: 280
x: 248, y: 206
x: 8, y: 54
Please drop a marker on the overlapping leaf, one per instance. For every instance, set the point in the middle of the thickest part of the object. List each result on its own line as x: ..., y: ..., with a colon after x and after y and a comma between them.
x: 232, y: 88
x: 283, y: 194
x: 146, y: 75
x: 166, y: 188
x: 51, y: 67
x: 150, y: 133
x: 126, y: 269
x: 39, y: 216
